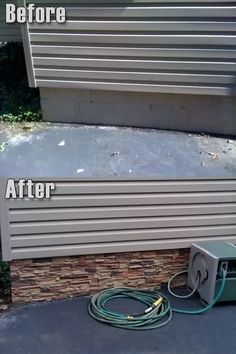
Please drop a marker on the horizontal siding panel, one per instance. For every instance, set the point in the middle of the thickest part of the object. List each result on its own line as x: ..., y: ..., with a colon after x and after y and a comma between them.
x: 151, y: 11
x: 140, y: 87
x: 145, y: 26
x: 121, y: 224
x: 134, y: 39
x: 43, y: 214
x: 135, y: 64
x: 192, y: 39
x: 89, y: 216
x: 143, y: 186
x: 79, y: 51
x: 123, y: 236
x: 73, y: 250
x: 128, y: 199
x: 133, y: 76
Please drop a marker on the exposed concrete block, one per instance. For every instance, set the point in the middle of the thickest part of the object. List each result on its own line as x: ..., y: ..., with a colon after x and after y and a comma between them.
x: 192, y: 113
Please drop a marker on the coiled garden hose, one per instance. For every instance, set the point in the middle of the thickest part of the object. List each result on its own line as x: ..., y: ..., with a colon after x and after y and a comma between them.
x: 158, y: 313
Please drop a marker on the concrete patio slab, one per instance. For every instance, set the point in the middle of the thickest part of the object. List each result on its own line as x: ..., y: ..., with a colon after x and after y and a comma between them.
x: 63, y: 150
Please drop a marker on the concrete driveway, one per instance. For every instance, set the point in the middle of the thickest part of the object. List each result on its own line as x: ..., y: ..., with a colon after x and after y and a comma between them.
x: 66, y: 150
x: 65, y: 328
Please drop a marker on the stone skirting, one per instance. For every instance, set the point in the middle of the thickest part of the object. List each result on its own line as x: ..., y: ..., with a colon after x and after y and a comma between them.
x: 65, y: 277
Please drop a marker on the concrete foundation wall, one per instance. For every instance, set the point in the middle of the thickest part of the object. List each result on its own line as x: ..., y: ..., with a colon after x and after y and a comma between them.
x: 193, y: 113
x: 63, y: 277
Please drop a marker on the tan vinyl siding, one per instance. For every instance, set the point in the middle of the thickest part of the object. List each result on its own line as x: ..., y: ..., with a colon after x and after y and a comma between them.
x: 146, y: 46
x: 115, y: 215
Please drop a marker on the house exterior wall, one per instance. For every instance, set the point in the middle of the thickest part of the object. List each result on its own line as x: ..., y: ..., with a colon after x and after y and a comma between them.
x: 88, y: 217
x: 144, y: 46
x: 131, y: 45
x: 154, y: 64
x: 159, y: 48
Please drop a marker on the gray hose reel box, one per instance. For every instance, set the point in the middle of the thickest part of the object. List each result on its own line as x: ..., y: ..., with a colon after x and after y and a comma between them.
x: 207, y: 260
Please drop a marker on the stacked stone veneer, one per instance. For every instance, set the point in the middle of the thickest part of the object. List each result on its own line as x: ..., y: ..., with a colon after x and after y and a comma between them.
x: 63, y: 277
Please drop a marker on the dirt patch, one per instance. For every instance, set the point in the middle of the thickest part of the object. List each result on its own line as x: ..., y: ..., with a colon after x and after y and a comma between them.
x: 13, y: 129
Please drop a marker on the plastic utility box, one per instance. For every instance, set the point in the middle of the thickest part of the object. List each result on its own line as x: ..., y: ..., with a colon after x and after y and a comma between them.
x: 207, y: 260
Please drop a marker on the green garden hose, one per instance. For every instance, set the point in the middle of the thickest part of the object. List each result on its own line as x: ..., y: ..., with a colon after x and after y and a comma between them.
x: 210, y: 305
x: 158, y: 313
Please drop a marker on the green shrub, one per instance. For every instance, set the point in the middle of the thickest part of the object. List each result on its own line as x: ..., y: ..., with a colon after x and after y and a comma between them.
x: 18, y: 102
x: 24, y: 116
x: 5, y: 282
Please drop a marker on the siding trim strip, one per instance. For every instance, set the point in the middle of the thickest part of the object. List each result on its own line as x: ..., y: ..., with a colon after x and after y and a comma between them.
x: 28, y: 50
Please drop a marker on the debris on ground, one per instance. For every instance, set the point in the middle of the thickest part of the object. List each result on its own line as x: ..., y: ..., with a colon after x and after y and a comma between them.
x: 213, y: 155
x: 62, y: 143
x: 27, y: 128
x: 205, y: 135
x: 229, y: 141
x: 170, y: 154
x: 80, y: 170
x: 3, y: 146
x: 115, y: 153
